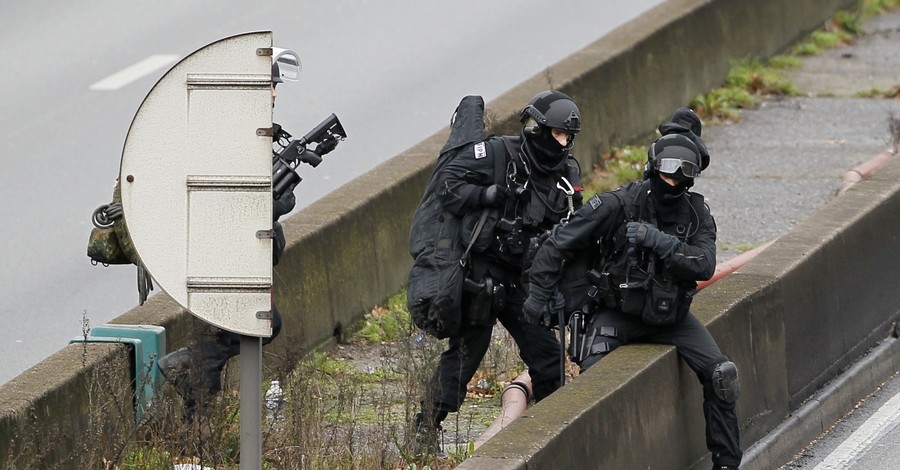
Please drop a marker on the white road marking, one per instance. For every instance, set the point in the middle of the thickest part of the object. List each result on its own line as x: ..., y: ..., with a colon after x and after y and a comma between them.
x: 882, y: 422
x: 134, y: 72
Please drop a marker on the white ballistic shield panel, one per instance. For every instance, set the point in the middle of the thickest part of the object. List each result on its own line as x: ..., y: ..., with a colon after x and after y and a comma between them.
x: 196, y: 179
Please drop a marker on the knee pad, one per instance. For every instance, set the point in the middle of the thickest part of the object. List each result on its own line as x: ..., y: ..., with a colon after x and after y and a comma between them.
x: 725, y: 383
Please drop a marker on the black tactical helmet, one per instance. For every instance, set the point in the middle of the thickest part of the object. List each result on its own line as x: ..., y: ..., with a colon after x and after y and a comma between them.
x: 674, y: 155
x: 688, y: 119
x: 553, y: 109
x: 684, y: 121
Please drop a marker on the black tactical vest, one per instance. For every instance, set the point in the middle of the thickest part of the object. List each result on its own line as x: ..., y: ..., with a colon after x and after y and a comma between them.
x: 631, y: 279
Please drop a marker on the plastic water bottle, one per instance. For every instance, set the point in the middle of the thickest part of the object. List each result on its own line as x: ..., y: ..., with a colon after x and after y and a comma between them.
x: 275, y: 397
x: 420, y: 338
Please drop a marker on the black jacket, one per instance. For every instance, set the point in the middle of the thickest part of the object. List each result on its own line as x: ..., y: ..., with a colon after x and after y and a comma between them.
x: 602, y: 217
x: 460, y: 183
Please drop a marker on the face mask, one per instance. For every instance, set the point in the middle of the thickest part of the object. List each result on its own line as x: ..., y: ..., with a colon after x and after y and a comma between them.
x: 664, y: 193
x: 546, y: 151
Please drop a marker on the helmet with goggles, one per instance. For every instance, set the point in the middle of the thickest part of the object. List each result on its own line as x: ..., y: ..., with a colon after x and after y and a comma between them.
x: 675, y: 156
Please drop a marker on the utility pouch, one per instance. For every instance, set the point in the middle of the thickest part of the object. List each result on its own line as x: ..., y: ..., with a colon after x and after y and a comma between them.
x: 104, y: 247
x: 602, y: 291
x: 486, y: 299
x: 632, y: 294
x: 662, y: 306
x: 110, y: 242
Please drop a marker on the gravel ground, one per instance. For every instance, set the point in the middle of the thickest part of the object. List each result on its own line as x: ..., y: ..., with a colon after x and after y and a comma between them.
x: 782, y: 162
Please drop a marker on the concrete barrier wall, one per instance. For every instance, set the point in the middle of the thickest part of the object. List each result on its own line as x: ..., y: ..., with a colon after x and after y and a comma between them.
x: 348, y: 251
x: 46, y: 418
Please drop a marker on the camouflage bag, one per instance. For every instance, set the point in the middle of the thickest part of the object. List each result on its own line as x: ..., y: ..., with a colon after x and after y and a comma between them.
x: 110, y: 243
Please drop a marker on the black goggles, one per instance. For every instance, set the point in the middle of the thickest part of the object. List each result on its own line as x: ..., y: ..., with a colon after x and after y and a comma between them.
x: 670, y: 166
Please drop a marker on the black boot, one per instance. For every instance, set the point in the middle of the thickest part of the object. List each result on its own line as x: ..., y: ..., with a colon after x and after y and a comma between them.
x: 176, y: 368
x: 428, y: 437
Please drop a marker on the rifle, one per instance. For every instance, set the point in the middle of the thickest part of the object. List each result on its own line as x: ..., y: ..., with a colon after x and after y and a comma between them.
x: 325, y: 136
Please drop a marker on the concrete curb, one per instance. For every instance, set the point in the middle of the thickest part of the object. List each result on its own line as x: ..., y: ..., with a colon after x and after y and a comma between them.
x: 828, y: 406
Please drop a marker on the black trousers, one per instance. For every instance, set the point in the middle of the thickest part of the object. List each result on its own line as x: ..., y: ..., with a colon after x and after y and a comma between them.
x: 699, y: 350
x: 538, y: 348
x: 218, y: 346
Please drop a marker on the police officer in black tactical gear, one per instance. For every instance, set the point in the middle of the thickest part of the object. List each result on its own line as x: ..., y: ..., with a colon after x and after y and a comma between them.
x: 540, y: 187
x: 649, y: 243
x: 196, y: 370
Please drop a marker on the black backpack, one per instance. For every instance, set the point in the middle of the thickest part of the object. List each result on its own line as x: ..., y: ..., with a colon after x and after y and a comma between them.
x: 440, y: 259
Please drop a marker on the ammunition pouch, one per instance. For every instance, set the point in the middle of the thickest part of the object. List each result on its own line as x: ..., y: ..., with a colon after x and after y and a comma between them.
x: 485, y: 299
x: 656, y: 302
x: 599, y: 340
x: 632, y: 295
x: 602, y: 293
x: 666, y: 304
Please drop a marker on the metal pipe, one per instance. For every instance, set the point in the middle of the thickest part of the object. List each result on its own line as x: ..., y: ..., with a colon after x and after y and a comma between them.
x: 729, y: 266
x: 857, y: 173
x: 514, y: 402
x: 251, y: 402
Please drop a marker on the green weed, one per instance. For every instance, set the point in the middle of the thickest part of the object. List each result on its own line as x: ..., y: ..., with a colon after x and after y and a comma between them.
x: 876, y: 7
x: 619, y: 166
x: 387, y: 323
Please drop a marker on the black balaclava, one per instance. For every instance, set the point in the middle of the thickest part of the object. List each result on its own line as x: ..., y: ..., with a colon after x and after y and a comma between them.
x: 667, y: 198
x: 544, y: 151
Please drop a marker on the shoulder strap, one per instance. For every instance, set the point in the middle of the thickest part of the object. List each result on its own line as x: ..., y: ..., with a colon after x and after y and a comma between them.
x: 633, y: 203
x: 475, y: 232
x: 638, y: 192
x: 499, y: 147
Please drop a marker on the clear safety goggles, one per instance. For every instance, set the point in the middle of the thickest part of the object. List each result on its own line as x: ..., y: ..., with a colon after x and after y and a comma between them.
x: 671, y: 166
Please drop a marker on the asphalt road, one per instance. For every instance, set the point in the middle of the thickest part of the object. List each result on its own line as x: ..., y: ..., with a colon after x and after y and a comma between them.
x: 866, y: 439
x: 393, y: 71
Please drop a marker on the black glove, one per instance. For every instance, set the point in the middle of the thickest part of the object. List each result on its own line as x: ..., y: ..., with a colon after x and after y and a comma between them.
x: 647, y: 236
x: 493, y: 196
x: 539, y: 311
x: 641, y: 234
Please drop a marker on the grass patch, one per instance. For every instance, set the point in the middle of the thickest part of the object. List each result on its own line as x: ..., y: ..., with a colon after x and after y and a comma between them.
x: 387, y: 322
x: 618, y: 166
x: 747, y: 80
x: 759, y: 78
x: 871, y: 8
x: 843, y: 27
x: 891, y: 93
